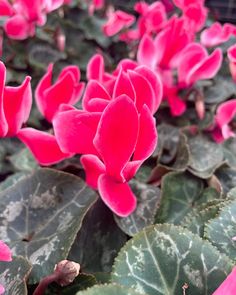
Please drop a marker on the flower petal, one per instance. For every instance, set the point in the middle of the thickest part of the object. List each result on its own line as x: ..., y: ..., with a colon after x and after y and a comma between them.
x: 43, y: 146
x: 75, y: 131
x: 146, y: 54
x: 123, y: 85
x: 17, y: 27
x: 93, y: 167
x: 5, y: 252
x: 95, y: 68
x: 3, y: 125
x: 17, y: 105
x: 116, y: 135
x: 94, y: 90
x: 117, y: 196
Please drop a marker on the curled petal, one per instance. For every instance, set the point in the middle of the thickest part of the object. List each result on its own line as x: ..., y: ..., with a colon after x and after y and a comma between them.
x: 75, y: 131
x: 116, y: 135
x: 147, y: 52
x: 117, y: 196
x: 5, y: 252
x: 93, y: 167
x: 147, y: 136
x: 3, y: 123
x: 155, y: 81
x: 95, y: 68
x: 94, y: 90
x: 5, y: 8
x: 144, y: 92
x: 117, y: 21
x: 43, y: 146
x: 17, y: 27
x: 123, y: 85
x: 17, y: 105
x: 207, y: 69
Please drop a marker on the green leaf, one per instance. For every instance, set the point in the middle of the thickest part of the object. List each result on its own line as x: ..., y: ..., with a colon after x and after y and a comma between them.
x: 195, y: 221
x: 40, y: 55
x: 229, y: 148
x: 182, y: 157
x: 163, y: 258
x: 13, y: 276
x: 220, y: 230
x: 205, y: 156
x: 227, y: 178
x: 148, y: 197
x: 98, y: 241
x: 220, y: 90
x: 111, y: 289
x: 23, y: 161
x: 178, y: 194
x: 41, y: 215
x: 81, y: 282
x: 12, y: 180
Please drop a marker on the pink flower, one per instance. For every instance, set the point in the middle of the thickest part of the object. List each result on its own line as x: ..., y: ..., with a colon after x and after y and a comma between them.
x: 139, y: 83
x: 152, y: 17
x: 67, y: 89
x: 95, y: 5
x: 217, y: 34
x: 231, y: 53
x: 24, y: 15
x: 15, y: 104
x: 228, y: 287
x: 5, y: 255
x: 224, y: 115
x: 117, y: 21
x: 114, y: 144
x: 195, y: 64
x: 43, y: 146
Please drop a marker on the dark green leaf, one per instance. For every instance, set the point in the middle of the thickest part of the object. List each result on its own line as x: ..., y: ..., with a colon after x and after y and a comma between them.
x: 111, y: 289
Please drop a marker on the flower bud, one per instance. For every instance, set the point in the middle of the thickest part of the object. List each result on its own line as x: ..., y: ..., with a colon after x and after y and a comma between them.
x: 67, y: 271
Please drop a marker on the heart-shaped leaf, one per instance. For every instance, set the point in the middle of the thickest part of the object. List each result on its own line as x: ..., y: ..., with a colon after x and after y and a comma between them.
x: 162, y: 259
x: 221, y: 230
x: 111, y: 289
x: 148, y: 197
x: 40, y: 216
x: 13, y: 276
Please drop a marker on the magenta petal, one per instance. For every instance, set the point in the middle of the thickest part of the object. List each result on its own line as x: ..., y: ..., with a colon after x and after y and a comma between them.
x: 5, y: 8
x: 93, y: 167
x: 116, y: 135
x: 17, y: 105
x: 42, y: 86
x: 147, y: 52
x: 61, y: 92
x: 131, y: 169
x: 147, y: 137
x: 117, y: 196
x: 123, y: 85
x: 3, y: 123
x: 5, y: 252
x: 155, y: 82
x: 2, y: 290
x: 228, y: 287
x: 94, y: 90
x: 74, y: 70
x: 97, y: 104
x: 95, y: 68
x: 75, y: 131
x: 17, y: 27
x: 207, y: 69
x: 43, y: 146
x: 144, y: 92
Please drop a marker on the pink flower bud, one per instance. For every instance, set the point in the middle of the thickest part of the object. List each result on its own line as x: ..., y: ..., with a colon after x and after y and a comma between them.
x: 67, y: 271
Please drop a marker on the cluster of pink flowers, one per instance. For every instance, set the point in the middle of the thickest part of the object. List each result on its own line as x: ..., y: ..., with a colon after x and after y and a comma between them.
x: 115, y: 131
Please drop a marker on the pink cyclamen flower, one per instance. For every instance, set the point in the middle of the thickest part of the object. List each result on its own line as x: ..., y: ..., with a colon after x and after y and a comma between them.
x: 95, y: 5
x: 224, y: 115
x: 231, y: 53
x: 117, y: 20
x: 114, y: 144
x: 228, y: 287
x: 67, y: 89
x: 24, y: 15
x: 141, y: 84
x: 5, y: 255
x: 195, y: 64
x: 15, y: 104
x: 217, y: 34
